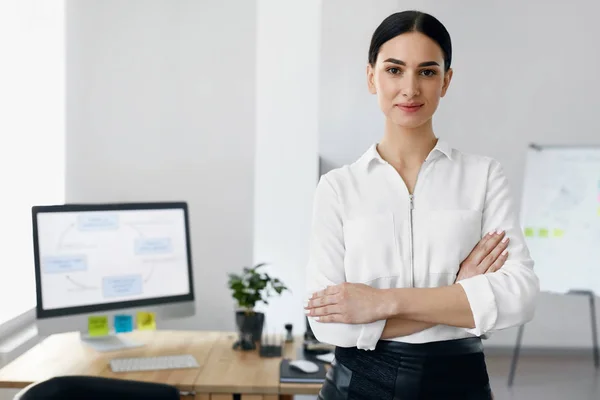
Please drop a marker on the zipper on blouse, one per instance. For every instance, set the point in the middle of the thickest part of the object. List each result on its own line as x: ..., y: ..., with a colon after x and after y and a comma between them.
x: 412, y: 250
x: 411, y: 207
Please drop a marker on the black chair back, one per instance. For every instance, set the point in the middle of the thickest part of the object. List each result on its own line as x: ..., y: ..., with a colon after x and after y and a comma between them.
x: 96, y: 388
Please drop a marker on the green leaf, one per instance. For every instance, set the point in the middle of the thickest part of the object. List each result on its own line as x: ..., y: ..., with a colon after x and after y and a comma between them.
x: 252, y: 286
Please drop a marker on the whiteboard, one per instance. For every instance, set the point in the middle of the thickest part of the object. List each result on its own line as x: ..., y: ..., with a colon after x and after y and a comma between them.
x: 560, y: 215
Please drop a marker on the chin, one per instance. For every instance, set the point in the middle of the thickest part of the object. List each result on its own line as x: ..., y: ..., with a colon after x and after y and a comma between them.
x: 409, y: 123
x: 399, y: 118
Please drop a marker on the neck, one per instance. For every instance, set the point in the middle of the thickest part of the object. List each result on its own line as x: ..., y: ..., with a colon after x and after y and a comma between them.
x: 406, y: 147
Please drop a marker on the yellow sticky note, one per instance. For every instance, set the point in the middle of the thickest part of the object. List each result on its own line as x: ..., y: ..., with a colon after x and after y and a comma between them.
x: 543, y: 232
x: 558, y: 233
x: 146, y: 321
x: 529, y: 232
x: 98, y: 326
x: 599, y: 211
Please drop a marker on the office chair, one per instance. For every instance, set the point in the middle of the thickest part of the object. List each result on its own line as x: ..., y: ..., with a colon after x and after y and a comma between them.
x: 95, y: 388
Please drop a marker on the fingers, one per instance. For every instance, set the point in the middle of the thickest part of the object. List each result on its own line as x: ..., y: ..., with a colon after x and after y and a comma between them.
x: 484, y: 240
x: 324, y: 311
x: 332, y: 318
x: 498, y: 263
x: 322, y: 301
x: 329, y: 290
x: 474, y: 256
x: 486, y: 245
x: 493, y: 255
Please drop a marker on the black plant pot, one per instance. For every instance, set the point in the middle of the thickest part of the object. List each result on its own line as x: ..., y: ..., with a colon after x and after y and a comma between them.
x: 250, y: 326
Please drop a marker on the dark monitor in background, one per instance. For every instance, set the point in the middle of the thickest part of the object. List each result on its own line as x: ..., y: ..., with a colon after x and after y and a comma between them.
x: 109, y: 259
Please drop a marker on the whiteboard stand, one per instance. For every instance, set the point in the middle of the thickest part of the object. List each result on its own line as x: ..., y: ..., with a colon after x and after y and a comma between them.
x: 596, y: 352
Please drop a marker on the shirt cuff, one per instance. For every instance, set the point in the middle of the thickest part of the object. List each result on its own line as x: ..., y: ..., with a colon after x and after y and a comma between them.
x: 370, y: 334
x: 483, y: 303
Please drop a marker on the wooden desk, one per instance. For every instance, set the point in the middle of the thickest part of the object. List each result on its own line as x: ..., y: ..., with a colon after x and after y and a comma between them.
x: 292, y: 352
x: 223, y: 372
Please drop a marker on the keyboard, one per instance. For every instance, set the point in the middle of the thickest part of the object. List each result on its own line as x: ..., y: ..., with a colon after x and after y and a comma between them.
x: 153, y: 363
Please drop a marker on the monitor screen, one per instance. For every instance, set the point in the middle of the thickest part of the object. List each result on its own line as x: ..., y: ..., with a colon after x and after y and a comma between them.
x: 106, y: 257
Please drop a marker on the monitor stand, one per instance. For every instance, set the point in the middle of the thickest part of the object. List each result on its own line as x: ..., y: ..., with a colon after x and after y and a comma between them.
x: 111, y: 342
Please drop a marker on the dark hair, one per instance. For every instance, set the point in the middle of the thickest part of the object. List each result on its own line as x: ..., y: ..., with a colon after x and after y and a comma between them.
x: 411, y: 21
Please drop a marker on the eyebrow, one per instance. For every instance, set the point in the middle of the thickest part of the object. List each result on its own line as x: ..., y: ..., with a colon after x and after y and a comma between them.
x: 423, y: 64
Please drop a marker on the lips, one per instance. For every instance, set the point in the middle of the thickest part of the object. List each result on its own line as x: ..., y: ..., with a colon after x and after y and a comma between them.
x: 410, y: 107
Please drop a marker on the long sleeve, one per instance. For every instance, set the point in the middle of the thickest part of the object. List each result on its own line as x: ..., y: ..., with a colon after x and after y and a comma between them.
x: 505, y: 298
x: 326, y: 267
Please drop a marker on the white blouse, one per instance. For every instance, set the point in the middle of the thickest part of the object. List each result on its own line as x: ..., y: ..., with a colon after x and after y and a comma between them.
x: 367, y: 229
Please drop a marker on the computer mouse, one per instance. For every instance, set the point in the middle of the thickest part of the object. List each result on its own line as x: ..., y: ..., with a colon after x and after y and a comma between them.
x: 305, y: 366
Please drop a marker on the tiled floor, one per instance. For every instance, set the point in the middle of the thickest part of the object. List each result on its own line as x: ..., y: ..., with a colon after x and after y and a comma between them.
x: 538, y: 378
x: 6, y: 394
x: 546, y: 377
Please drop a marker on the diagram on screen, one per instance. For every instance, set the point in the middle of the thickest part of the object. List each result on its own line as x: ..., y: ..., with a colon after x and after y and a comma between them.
x: 110, y: 256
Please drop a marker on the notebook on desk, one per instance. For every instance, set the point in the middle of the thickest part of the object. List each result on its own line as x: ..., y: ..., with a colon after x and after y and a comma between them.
x: 290, y: 375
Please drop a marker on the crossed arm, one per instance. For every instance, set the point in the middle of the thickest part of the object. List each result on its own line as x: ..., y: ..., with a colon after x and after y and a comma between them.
x: 488, y: 256
x: 405, y: 311
x: 483, y: 299
x: 404, y: 326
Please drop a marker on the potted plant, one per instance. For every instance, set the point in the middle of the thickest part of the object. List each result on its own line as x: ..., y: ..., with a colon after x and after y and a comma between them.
x: 248, y: 289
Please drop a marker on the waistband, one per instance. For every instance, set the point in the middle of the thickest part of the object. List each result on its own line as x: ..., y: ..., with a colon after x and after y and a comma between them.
x: 442, y: 348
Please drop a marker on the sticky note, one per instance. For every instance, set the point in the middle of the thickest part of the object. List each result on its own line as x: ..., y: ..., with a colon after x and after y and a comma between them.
x: 599, y: 211
x: 598, y: 197
x: 123, y: 323
x: 529, y: 232
x: 146, y: 321
x: 558, y: 233
x: 543, y: 232
x: 98, y: 326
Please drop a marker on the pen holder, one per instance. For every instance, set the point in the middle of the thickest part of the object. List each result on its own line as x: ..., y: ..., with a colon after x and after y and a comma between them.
x: 270, y: 350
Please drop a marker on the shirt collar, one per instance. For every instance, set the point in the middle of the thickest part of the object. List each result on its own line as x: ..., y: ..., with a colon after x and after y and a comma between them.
x: 441, y: 147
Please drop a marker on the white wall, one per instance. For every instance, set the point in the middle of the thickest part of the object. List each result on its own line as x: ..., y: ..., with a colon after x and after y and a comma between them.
x: 32, y: 96
x: 524, y: 71
x: 171, y: 76
x: 160, y: 106
x: 348, y: 116
x: 286, y: 168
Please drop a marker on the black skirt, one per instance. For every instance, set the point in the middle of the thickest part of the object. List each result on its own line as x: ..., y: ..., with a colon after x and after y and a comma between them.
x: 446, y: 370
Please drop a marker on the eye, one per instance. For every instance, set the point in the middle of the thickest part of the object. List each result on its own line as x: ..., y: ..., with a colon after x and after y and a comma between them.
x: 429, y: 72
x: 394, y: 70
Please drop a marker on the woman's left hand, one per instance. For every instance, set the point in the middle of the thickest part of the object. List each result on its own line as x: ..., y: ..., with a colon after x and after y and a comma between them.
x: 348, y: 303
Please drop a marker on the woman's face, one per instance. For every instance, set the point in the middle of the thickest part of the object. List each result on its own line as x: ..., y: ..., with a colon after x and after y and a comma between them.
x: 409, y: 79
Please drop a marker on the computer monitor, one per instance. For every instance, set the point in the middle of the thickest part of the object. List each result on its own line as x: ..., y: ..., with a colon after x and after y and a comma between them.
x: 109, y: 259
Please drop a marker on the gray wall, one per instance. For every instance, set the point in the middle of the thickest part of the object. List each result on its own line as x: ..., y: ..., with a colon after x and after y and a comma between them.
x: 525, y: 71
x: 160, y: 106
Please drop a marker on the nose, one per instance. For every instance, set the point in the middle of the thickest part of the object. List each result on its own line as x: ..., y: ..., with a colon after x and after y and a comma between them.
x: 410, y: 87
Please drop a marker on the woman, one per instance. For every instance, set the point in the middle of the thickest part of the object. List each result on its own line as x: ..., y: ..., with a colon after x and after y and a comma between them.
x: 410, y: 262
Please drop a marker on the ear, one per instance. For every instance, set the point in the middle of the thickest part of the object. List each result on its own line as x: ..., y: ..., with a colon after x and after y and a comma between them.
x: 447, y: 79
x: 371, y: 79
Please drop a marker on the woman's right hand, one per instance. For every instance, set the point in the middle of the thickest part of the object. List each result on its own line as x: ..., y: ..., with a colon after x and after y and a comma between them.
x: 487, y: 256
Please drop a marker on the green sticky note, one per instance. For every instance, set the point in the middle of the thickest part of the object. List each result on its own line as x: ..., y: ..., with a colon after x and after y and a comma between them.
x: 543, y: 232
x: 529, y: 232
x: 98, y: 326
x: 146, y: 321
x: 558, y: 233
